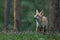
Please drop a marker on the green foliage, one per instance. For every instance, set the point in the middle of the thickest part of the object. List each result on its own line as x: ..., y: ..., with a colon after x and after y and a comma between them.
x: 28, y: 36
x: 27, y: 11
x: 1, y: 26
x: 1, y: 10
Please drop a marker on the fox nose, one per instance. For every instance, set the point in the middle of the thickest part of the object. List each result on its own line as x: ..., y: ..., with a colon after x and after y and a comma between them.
x: 34, y: 17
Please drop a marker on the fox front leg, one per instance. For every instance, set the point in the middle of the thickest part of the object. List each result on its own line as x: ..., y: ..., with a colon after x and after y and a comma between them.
x: 37, y: 29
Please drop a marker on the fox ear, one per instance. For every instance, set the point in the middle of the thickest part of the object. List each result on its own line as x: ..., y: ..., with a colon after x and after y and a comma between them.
x: 37, y: 12
x: 42, y: 12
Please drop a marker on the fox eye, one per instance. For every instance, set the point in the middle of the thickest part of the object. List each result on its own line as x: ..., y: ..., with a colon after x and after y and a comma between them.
x: 37, y: 15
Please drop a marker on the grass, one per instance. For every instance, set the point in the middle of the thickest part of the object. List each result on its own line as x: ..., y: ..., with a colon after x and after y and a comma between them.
x: 28, y: 36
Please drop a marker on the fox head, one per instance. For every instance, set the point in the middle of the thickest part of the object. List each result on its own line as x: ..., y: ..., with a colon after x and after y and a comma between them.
x: 38, y: 14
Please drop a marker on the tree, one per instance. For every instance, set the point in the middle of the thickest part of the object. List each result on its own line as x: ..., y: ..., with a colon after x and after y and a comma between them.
x: 6, y: 14
x: 16, y: 15
x: 54, y: 20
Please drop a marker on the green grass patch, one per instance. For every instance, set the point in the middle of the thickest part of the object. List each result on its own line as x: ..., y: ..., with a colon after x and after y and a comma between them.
x: 28, y: 36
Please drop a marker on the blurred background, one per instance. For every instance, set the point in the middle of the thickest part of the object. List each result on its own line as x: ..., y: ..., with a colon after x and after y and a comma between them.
x: 27, y: 11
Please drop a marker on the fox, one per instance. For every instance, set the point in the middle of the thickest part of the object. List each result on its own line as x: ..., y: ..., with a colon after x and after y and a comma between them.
x: 41, y: 21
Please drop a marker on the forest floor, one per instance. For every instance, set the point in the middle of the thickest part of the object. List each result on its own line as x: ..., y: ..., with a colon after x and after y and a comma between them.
x: 28, y: 36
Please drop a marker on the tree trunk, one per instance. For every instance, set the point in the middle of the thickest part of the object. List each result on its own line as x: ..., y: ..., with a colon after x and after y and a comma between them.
x: 59, y: 15
x: 16, y: 15
x: 54, y: 21
x: 6, y: 14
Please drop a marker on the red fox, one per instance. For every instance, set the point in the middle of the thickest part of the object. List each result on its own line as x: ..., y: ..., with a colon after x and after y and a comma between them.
x: 41, y: 21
